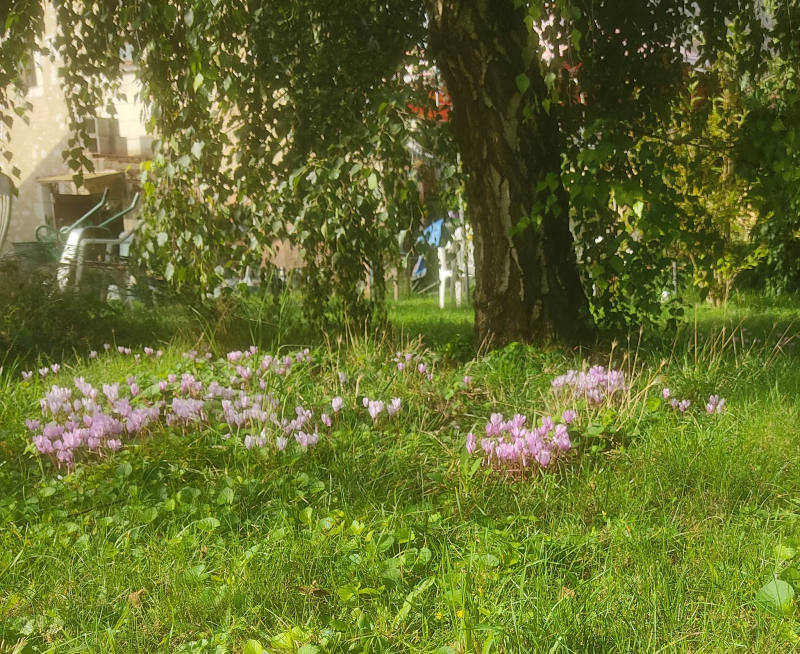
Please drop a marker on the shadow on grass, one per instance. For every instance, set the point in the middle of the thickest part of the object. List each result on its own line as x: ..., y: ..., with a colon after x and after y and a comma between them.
x: 449, y: 331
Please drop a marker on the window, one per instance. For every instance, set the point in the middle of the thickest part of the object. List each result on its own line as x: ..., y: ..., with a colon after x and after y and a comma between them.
x: 29, y: 74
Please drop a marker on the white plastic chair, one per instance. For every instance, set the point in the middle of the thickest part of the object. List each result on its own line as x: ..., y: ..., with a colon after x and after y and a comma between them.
x: 74, y: 257
x: 454, y: 268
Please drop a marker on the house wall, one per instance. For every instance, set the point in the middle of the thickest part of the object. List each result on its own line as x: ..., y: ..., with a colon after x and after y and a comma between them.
x: 37, y: 147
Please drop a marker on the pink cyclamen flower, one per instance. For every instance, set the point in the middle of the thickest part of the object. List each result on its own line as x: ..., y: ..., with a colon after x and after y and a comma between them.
x: 375, y: 408
x: 148, y: 351
x: 365, y: 402
x: 423, y: 368
x: 401, y: 366
x: 665, y: 393
x: 159, y: 353
x: 337, y: 403
x: 281, y: 442
x: 342, y: 378
x: 93, y: 354
x: 134, y: 389
x: 467, y: 380
x: 326, y: 419
x: 27, y: 374
x: 430, y: 376
x: 471, y: 443
x: 561, y: 438
x: 394, y: 406
x: 106, y: 347
x: 568, y: 417
x: 120, y: 349
x: 136, y: 357
x: 684, y: 404
x: 43, y: 372
x: 674, y: 403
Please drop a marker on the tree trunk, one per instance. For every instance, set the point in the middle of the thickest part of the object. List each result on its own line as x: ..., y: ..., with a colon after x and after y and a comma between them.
x: 527, y: 282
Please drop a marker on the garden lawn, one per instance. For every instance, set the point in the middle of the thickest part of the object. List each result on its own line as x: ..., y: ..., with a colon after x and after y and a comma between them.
x: 654, y: 533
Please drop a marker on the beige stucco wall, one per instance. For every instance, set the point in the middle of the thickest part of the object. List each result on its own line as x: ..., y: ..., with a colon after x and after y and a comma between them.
x: 37, y: 147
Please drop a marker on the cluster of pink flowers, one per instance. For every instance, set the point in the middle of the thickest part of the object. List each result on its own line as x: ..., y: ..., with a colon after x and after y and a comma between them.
x: 715, y: 404
x: 595, y: 386
x: 404, y: 360
x: 93, y: 423
x: 510, y: 443
x: 99, y: 421
x: 376, y: 407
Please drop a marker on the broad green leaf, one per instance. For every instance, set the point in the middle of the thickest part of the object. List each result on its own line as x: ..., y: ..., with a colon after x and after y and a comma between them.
x: 785, y: 551
x: 207, y: 524
x: 346, y: 592
x: 523, y: 82
x: 776, y: 597
x: 124, y: 469
x: 169, y: 271
x: 197, y: 149
x: 791, y: 576
x: 198, y: 81
x: 252, y: 647
x: 372, y: 181
x: 226, y: 496
x: 305, y: 515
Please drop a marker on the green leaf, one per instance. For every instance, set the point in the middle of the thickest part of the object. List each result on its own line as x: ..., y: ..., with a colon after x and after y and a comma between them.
x: 124, y: 469
x: 196, y: 573
x: 785, y: 551
x: 169, y: 505
x: 549, y: 79
x: 305, y: 515
x: 346, y: 592
x: 575, y: 39
x: 792, y: 576
x: 188, y: 17
x: 197, y: 149
x: 47, y: 491
x: 207, y: 524
x: 169, y: 271
x: 372, y: 182
x: 252, y: 647
x: 150, y: 514
x: 161, y: 238
x: 776, y: 597
x: 411, y: 598
x: 226, y: 496
x: 653, y: 403
x: 198, y: 81
x: 523, y: 82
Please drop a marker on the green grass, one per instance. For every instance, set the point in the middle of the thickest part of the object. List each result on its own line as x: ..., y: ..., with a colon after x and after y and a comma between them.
x: 653, y: 536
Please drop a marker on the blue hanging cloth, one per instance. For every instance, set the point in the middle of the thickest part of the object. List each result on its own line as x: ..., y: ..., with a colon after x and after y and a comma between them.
x: 433, y: 233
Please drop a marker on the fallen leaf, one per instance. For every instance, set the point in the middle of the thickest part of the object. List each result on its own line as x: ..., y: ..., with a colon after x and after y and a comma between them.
x: 136, y: 598
x: 313, y: 589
